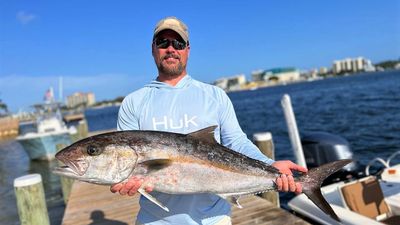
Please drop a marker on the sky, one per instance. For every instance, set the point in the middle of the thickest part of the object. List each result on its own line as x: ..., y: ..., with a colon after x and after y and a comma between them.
x: 104, y: 47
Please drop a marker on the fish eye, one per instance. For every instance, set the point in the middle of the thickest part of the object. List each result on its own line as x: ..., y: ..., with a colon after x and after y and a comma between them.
x: 93, y: 150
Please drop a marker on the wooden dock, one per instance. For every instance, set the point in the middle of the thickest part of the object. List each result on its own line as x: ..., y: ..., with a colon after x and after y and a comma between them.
x: 95, y: 204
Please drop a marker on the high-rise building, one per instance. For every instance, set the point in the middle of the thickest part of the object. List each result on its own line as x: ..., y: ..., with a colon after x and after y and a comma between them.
x: 80, y: 99
x: 351, y: 65
x: 337, y: 67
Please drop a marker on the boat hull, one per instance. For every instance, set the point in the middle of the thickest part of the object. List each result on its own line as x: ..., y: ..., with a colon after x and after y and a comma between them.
x: 44, y: 147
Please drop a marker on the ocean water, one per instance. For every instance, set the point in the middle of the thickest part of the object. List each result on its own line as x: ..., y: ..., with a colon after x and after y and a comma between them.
x: 364, y: 109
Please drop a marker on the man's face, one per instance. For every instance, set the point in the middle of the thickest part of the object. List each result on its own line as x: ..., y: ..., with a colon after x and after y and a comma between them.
x: 170, y: 61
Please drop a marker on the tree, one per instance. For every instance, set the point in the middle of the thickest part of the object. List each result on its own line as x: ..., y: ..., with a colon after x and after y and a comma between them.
x: 3, y: 107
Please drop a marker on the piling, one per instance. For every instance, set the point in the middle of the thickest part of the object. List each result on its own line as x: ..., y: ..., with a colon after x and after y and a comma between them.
x: 66, y: 183
x: 266, y: 145
x: 82, y: 131
x: 31, y: 200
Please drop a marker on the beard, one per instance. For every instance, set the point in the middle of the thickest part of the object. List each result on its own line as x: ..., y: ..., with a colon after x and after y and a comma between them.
x: 171, y: 69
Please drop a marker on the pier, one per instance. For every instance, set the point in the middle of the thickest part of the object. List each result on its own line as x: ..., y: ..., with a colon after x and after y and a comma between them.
x: 95, y: 204
x: 8, y: 126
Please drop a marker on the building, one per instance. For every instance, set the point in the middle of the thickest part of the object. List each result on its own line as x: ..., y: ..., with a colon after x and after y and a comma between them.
x: 257, y: 75
x: 349, y: 65
x: 80, y: 99
x: 279, y: 75
x: 323, y: 71
x: 336, y: 67
x: 232, y: 83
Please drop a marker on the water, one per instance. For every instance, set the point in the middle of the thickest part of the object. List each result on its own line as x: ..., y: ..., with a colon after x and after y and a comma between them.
x: 364, y: 109
x: 102, y: 119
x: 14, y: 162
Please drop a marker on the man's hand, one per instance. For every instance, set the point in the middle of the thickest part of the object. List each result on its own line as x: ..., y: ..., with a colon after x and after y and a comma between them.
x: 130, y: 187
x: 286, y: 182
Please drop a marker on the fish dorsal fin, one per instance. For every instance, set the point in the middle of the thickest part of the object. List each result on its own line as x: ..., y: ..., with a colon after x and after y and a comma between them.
x: 206, y: 134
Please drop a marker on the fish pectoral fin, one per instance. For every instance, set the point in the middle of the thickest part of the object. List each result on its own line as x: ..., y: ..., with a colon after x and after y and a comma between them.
x: 157, y: 164
x: 233, y: 199
x: 152, y: 199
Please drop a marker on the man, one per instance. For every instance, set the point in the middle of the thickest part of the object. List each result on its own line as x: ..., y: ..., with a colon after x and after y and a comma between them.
x: 175, y: 102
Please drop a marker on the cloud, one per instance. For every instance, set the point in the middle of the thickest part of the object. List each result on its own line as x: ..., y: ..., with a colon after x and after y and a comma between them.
x: 25, y: 17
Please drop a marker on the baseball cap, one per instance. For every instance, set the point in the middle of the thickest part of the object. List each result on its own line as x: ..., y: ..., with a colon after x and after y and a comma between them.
x: 172, y: 23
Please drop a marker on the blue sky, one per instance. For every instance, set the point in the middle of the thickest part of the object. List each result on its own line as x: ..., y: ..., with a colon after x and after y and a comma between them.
x: 105, y: 46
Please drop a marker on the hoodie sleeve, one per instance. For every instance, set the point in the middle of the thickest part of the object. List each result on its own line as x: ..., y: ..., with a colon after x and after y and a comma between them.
x: 127, y: 118
x: 232, y: 135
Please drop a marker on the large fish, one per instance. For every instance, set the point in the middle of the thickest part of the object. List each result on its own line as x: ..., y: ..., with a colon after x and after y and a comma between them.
x: 181, y: 164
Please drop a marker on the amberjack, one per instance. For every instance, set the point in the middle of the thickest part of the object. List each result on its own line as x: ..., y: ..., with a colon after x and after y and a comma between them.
x: 176, y: 163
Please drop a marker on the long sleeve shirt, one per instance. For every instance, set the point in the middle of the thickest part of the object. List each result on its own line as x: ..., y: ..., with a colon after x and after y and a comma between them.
x: 186, y: 107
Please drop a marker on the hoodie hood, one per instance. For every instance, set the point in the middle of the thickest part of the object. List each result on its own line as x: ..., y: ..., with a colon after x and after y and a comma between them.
x: 183, y: 83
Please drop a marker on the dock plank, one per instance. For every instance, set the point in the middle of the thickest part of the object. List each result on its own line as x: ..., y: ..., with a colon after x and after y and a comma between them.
x: 95, y: 204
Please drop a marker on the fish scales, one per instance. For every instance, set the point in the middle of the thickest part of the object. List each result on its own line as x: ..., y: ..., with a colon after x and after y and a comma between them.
x: 181, y: 164
x: 182, y: 145
x: 193, y: 160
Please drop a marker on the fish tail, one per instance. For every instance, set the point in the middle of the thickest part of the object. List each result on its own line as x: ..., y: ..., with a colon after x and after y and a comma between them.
x: 311, y: 183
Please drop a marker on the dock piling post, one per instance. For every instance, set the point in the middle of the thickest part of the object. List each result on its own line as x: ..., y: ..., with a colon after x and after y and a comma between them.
x: 31, y: 200
x: 266, y: 145
x: 66, y: 183
x: 81, y: 131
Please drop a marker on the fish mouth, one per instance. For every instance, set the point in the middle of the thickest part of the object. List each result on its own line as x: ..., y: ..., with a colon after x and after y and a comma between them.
x: 74, y: 165
x: 66, y: 171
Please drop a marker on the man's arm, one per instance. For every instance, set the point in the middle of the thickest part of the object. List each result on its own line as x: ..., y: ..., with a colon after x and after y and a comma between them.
x: 127, y: 116
x: 234, y: 138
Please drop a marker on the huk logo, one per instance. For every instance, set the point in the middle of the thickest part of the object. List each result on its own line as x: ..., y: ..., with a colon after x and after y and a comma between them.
x: 168, y: 123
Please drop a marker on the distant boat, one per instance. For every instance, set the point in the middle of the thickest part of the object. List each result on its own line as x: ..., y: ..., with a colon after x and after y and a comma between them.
x: 39, y: 138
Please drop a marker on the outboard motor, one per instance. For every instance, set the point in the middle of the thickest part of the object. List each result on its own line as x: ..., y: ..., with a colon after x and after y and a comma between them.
x: 320, y: 148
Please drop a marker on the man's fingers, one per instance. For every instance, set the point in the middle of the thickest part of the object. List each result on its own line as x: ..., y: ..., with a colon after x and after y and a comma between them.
x: 287, y: 172
x: 292, y: 184
x: 149, y: 188
x: 134, y: 189
x: 116, y: 187
x: 298, y: 168
x: 123, y: 190
x: 278, y: 183
x: 299, y: 188
x: 285, y: 183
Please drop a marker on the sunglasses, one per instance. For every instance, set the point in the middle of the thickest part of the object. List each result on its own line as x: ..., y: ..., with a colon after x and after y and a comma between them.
x: 165, y: 43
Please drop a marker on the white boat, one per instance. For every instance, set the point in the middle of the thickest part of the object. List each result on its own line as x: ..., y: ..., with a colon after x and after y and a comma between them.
x: 369, y: 200
x: 366, y: 200
x: 45, y: 133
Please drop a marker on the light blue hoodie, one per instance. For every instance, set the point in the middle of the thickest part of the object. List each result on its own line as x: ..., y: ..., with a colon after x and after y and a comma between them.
x: 189, y: 106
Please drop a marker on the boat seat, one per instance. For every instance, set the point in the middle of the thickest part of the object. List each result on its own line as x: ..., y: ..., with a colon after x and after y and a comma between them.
x: 365, y: 197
